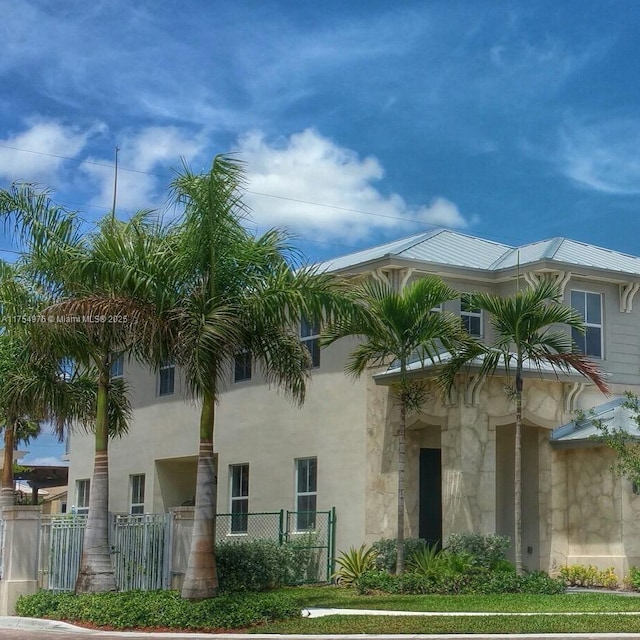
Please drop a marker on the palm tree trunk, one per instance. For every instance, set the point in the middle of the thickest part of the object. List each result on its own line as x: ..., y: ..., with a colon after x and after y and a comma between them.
x: 96, y: 569
x: 7, y: 490
x: 201, y: 577
x: 402, y: 456
x: 517, y: 484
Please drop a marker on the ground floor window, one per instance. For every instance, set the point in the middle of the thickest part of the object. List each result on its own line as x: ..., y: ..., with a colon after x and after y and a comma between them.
x: 306, y: 493
x: 239, y: 478
x: 82, y: 495
x: 136, y: 482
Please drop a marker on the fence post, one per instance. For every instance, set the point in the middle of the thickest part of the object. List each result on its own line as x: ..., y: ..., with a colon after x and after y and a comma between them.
x: 281, y: 531
x: 331, y: 566
x: 20, y: 561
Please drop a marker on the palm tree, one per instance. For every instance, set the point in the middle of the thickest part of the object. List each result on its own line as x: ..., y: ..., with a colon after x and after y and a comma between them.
x: 401, y: 326
x: 237, y: 293
x: 526, y: 334
x: 103, y: 289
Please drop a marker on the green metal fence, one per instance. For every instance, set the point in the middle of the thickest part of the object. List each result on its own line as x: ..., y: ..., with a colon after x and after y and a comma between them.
x: 310, y: 535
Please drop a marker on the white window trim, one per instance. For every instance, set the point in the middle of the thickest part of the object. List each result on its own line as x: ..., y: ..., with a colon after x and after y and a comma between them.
x: 302, y: 494
x: 592, y: 324
x: 133, y: 504
x: 311, y: 338
x: 120, y: 361
x: 473, y: 314
x: 240, y: 498
x: 82, y: 509
x: 165, y: 367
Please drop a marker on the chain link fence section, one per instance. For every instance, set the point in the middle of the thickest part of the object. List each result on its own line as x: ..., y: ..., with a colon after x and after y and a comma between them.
x: 311, y: 536
x: 265, y: 525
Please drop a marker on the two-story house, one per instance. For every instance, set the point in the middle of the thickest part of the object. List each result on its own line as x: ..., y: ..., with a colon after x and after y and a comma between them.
x: 339, y: 449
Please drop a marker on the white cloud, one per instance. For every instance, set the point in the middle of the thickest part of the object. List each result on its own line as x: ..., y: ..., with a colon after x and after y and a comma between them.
x: 142, y: 153
x: 308, y: 168
x: 603, y: 156
x: 38, y: 153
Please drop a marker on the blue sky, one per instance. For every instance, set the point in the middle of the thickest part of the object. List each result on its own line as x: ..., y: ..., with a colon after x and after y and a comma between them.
x: 360, y: 122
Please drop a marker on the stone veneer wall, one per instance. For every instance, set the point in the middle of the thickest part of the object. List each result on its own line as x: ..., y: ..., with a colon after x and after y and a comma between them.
x: 580, y: 504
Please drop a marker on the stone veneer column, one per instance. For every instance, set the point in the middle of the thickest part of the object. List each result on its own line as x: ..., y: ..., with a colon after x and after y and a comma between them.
x: 468, y: 472
x: 20, y: 555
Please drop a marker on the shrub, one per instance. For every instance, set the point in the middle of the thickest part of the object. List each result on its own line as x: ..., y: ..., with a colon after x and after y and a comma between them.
x: 633, y: 579
x: 136, y: 609
x: 425, y: 560
x: 386, y: 550
x: 485, y: 550
x: 353, y: 564
x: 444, y: 581
x: 303, y: 557
x: 256, y: 565
x: 578, y: 575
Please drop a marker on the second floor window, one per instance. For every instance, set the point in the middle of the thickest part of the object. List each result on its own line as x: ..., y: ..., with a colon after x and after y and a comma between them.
x: 166, y: 379
x: 310, y: 337
x: 117, y: 366
x: 242, y: 366
x: 471, y: 317
x: 589, y: 306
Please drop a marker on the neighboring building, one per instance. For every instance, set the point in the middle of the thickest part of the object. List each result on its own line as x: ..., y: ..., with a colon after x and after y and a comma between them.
x: 339, y: 449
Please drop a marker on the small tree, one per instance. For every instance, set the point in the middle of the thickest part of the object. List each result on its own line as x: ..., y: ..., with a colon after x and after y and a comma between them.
x: 401, y: 326
x: 626, y: 445
x: 526, y: 332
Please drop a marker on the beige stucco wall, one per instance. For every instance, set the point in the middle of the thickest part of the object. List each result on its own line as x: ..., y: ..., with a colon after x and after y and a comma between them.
x: 255, y: 424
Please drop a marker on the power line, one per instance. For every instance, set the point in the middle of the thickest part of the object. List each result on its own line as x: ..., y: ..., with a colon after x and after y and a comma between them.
x: 266, y: 195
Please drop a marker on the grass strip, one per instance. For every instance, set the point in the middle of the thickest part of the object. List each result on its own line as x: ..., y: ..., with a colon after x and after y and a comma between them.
x: 583, y: 623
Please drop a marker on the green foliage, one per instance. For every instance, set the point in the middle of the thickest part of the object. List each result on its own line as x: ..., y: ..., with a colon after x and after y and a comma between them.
x: 353, y: 564
x: 425, y: 560
x: 633, y: 579
x: 386, y: 551
x: 625, y: 445
x: 255, y: 565
x: 303, y: 558
x: 446, y: 580
x: 485, y: 550
x: 578, y: 575
x: 134, y: 609
x: 261, y: 565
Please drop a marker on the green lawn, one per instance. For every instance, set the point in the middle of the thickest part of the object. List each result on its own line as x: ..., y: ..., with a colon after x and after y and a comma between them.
x: 585, y: 623
x: 333, y: 597
x: 599, y: 613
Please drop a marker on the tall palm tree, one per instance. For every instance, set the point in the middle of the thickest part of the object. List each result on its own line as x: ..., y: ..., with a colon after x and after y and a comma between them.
x: 103, y: 289
x: 236, y: 293
x: 526, y: 332
x: 401, y: 326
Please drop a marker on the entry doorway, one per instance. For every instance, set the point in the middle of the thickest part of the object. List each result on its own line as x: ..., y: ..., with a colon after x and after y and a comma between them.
x: 430, y: 511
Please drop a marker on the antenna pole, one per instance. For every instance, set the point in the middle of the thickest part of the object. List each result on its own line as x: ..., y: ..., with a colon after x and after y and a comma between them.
x: 115, y: 184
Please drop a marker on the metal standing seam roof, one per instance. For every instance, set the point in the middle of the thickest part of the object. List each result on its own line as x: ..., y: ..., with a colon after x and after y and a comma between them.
x: 613, y: 413
x: 460, y: 250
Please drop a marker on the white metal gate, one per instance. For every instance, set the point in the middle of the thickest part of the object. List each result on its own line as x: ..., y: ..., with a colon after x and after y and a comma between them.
x: 140, y: 547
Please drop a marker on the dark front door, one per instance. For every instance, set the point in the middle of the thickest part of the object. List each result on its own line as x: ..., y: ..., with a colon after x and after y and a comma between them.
x: 430, y: 517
